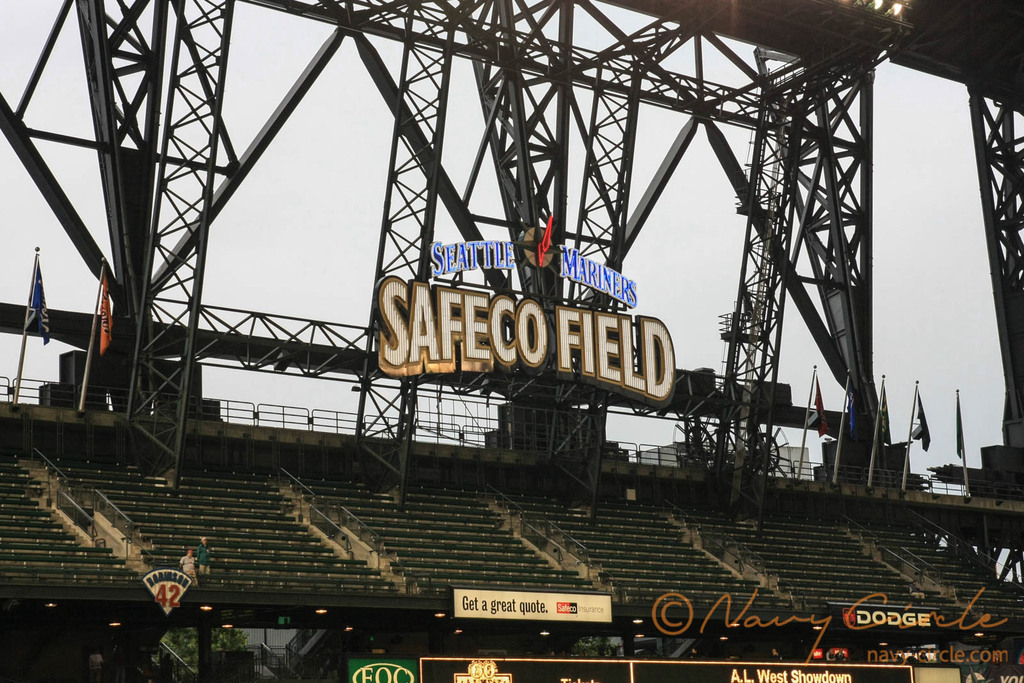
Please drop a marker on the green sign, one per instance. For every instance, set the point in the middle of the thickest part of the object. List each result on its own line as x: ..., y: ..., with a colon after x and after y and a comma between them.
x: 383, y: 671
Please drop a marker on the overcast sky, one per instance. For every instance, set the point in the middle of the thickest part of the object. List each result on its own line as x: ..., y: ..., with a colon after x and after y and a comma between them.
x: 300, y: 236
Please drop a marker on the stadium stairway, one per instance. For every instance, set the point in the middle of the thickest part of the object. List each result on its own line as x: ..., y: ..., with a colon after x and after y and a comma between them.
x: 40, y: 543
x: 256, y: 541
x: 444, y: 537
x: 641, y: 552
x: 953, y: 574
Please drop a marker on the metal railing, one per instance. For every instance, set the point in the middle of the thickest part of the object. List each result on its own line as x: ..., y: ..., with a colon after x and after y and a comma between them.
x: 180, y: 670
x: 541, y: 531
x: 964, y: 549
x: 901, y: 559
x: 728, y: 548
x: 77, y: 514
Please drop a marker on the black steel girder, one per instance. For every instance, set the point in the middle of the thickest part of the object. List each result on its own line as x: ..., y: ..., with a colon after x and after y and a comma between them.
x: 124, y: 71
x: 160, y: 388
x: 999, y: 149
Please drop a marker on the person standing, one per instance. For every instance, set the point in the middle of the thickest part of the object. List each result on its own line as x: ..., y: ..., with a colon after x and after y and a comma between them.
x: 203, y: 556
x: 188, y: 565
x: 96, y: 667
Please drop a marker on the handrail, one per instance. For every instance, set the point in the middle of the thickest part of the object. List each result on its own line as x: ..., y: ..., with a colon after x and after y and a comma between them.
x: 582, y: 551
x: 361, y: 528
x: 900, y: 553
x: 736, y: 548
x: 977, y: 556
x: 130, y: 530
x: 65, y: 502
x: 296, y: 482
x: 678, y: 511
x: 50, y: 464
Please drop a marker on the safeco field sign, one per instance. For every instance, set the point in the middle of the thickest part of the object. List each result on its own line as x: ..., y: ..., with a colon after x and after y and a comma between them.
x: 477, y: 603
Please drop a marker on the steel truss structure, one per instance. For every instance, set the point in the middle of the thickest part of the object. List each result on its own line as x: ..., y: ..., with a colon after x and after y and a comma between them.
x: 549, y: 76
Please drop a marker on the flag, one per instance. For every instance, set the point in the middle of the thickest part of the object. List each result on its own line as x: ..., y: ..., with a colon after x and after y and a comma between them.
x: 37, y: 307
x: 886, y: 435
x: 959, y: 430
x: 922, y: 432
x: 851, y: 413
x: 819, y: 407
x: 106, y: 322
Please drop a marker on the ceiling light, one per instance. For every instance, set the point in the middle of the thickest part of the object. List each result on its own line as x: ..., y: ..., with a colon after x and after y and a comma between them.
x: 723, y: 637
x: 115, y: 624
x: 321, y: 611
x: 458, y: 631
x: 50, y: 604
x: 348, y: 629
x: 206, y: 608
x: 979, y: 634
x: 638, y: 621
x: 545, y: 633
x: 638, y: 635
x: 227, y: 625
x: 440, y: 615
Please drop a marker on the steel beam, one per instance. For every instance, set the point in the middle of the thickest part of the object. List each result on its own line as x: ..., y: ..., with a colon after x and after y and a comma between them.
x: 160, y: 392
x: 999, y: 150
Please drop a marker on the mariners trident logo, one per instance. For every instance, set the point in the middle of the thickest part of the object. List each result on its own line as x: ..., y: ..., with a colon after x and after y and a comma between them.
x: 538, y: 251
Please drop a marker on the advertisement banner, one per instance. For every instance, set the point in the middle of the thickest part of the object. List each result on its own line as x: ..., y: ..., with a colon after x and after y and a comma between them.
x: 497, y: 670
x: 483, y: 603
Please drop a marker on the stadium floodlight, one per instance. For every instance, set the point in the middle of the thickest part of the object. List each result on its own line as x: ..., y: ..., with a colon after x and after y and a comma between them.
x: 878, y: 4
x: 897, y: 7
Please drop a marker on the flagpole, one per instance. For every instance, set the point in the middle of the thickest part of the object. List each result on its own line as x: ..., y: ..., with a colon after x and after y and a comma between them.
x: 874, y: 438
x: 910, y: 439
x: 960, y: 444
x: 842, y: 431
x: 92, y: 338
x: 807, y: 415
x: 24, y: 330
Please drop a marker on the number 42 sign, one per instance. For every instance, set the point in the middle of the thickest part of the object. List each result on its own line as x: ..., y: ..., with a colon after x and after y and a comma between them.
x: 167, y: 586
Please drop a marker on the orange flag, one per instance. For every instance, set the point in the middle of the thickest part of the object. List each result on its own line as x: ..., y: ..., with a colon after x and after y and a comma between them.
x: 106, y: 322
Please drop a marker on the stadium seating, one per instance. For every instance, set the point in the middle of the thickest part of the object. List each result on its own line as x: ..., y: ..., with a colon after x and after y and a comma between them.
x: 34, y: 545
x: 964, y: 577
x: 256, y: 543
x: 445, y: 537
x: 642, y: 554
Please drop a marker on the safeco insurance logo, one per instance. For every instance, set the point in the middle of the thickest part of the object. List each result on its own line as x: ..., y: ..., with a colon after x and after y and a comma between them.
x: 567, y: 608
x: 377, y: 671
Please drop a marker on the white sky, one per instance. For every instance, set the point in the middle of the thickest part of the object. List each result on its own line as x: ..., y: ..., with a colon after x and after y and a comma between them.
x: 300, y: 236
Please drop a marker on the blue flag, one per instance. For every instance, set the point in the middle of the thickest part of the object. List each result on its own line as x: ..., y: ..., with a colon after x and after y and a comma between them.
x: 38, y: 306
x: 850, y: 411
